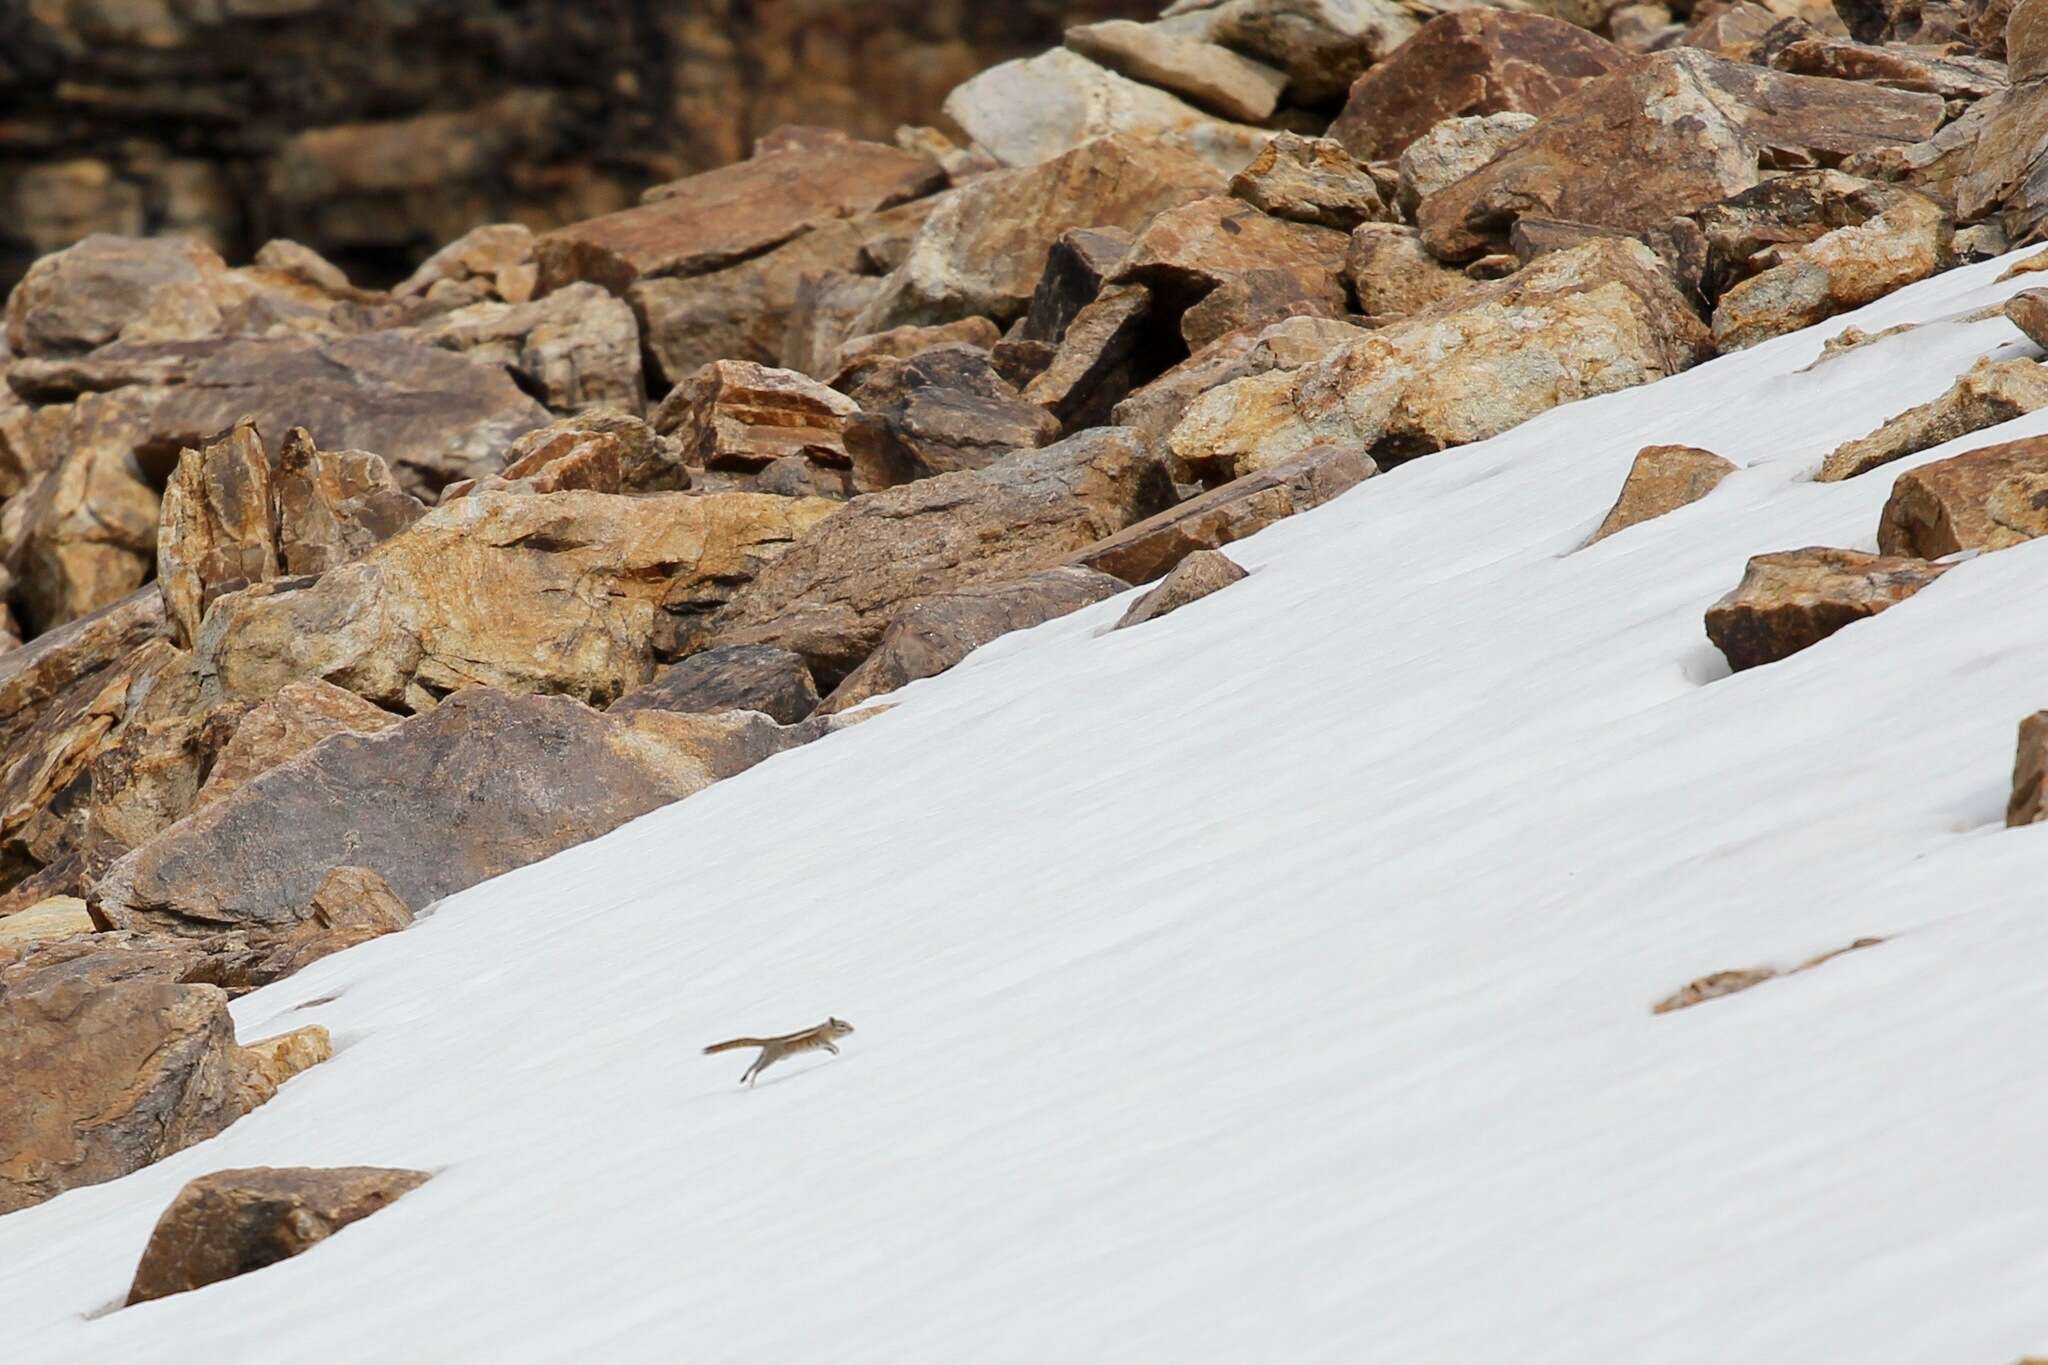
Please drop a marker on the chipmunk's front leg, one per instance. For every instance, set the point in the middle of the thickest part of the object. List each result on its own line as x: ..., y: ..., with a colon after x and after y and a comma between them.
x: 832, y: 1048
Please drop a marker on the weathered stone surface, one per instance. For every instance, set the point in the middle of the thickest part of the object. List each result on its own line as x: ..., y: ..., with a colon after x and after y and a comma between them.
x: 50, y: 919
x: 733, y: 414
x: 1322, y: 45
x: 1988, y: 393
x: 232, y: 1222
x: 720, y: 217
x: 933, y: 633
x: 1662, y: 479
x: 219, y: 530
x: 820, y: 320
x: 1452, y: 150
x: 876, y: 381
x: 1471, y: 61
x: 1983, y: 499
x: 280, y: 728
x: 493, y: 261
x: 1844, y: 269
x: 2030, y: 765
x: 1674, y: 131
x: 1392, y: 276
x: 1592, y: 320
x: 1951, y: 75
x: 107, y: 287
x: 1213, y: 77
x: 1762, y: 228
x: 1217, y: 265
x: 351, y: 905
x: 904, y: 342
x: 84, y: 534
x: 1151, y: 548
x: 2026, y: 40
x: 2028, y: 311
x: 1153, y: 411
x: 1076, y: 266
x: 646, y: 461
x: 937, y: 429
x: 106, y: 1076
x: 569, y: 592
x: 984, y: 249
x: 775, y: 682
x: 1731, y: 31
x: 1201, y: 573
x: 1310, y: 180
x: 34, y: 674
x: 577, y: 348
x: 1796, y: 598
x: 1034, y: 109
x: 1098, y: 360
x: 833, y: 594
x: 503, y: 781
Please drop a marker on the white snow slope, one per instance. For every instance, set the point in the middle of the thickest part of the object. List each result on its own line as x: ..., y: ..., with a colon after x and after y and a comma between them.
x: 1268, y: 983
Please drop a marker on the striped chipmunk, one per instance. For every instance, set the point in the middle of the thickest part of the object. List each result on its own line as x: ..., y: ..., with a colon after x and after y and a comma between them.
x: 774, y: 1050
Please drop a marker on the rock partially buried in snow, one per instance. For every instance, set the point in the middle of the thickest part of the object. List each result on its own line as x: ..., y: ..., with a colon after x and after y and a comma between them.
x: 1201, y: 573
x: 1844, y: 269
x: 2027, y: 805
x: 1662, y: 479
x: 1988, y: 393
x: 1796, y: 598
x: 1986, y: 499
x: 232, y: 1222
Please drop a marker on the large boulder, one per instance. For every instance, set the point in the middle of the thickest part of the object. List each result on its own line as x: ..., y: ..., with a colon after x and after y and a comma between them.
x: 1984, y: 499
x: 833, y: 594
x: 1662, y: 479
x: 1795, y: 598
x: 577, y: 348
x: 1186, y: 254
x: 34, y: 674
x: 1451, y: 150
x: 219, y: 527
x: 107, y: 288
x: 232, y: 1222
x: 502, y: 780
x: 572, y: 592
x: 775, y: 682
x: 1844, y: 269
x: 253, y: 740
x: 1470, y: 61
x: 1988, y: 393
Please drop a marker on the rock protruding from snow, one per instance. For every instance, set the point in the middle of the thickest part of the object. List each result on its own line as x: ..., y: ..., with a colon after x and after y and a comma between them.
x: 1988, y: 393
x: 1796, y: 598
x: 1663, y: 479
x: 1201, y: 573
x: 1985, y: 499
x: 2029, y: 802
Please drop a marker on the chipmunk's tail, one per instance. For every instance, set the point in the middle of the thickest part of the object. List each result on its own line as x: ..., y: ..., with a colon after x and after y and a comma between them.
x: 731, y: 1043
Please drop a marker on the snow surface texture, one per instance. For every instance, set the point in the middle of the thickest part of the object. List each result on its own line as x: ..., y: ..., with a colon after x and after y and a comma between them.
x: 1268, y: 983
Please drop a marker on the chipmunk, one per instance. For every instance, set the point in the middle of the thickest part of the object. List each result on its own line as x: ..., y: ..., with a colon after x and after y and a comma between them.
x: 774, y: 1050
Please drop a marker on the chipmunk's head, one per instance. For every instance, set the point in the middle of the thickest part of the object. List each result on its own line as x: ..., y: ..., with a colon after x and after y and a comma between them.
x: 838, y: 1028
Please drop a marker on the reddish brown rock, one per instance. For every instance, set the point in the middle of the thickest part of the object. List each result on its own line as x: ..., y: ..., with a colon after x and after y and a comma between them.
x: 1310, y: 180
x: 2030, y: 766
x: 34, y: 674
x: 1984, y: 499
x: 1662, y: 479
x: 219, y: 530
x: 1076, y: 266
x: 333, y: 505
x: 1988, y: 393
x: 935, y: 429
x: 775, y: 682
x: 1322, y: 45
x: 646, y: 460
x: 280, y: 728
x: 576, y: 349
x: 1841, y: 270
x: 1098, y: 361
x: 1925, y: 70
x: 1471, y: 61
x: 1796, y: 598
x: 1201, y: 573
x: 1392, y: 276
x: 904, y: 342
x: 735, y: 415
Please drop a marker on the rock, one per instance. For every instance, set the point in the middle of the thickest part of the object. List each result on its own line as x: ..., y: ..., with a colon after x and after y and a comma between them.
x: 1688, y: 128
x: 1927, y: 71
x: 2026, y: 41
x: 2030, y: 764
x: 1034, y: 109
x: 1988, y: 393
x: 1077, y: 265
x: 308, y: 266
x: 1796, y: 598
x: 1201, y: 573
x: 219, y: 528
x: 107, y: 287
x: 34, y: 674
x: 2028, y: 311
x: 1592, y: 320
x: 496, y: 260
x: 2003, y: 174
x: 1310, y: 180
x: 1153, y: 547
x: 1205, y: 74
x: 904, y: 342
x: 932, y: 634
x: 833, y: 594
x: 504, y: 780
x: 984, y: 249
x: 1662, y: 479
x: 82, y: 536
x: 106, y: 1077
x: 820, y: 321
x: 1731, y: 31
x: 735, y: 415
x: 646, y: 460
x: 1983, y: 499
x: 1153, y: 411
x: 1844, y: 269
x: 280, y: 728
x: 568, y: 592
x: 1643, y: 28
x: 1098, y: 360
x: 1322, y: 45
x: 1185, y: 254
x: 56, y: 917
x: 1533, y: 237
x: 1714, y: 986
x: 1391, y: 276
x: 775, y: 682
x: 721, y: 217
x: 1469, y: 62
x: 232, y: 1222
x: 793, y: 476
x: 1453, y: 149
x: 1767, y: 227
x: 350, y: 906
x: 577, y: 348
x: 332, y: 505
x: 1937, y: 167
x: 936, y: 429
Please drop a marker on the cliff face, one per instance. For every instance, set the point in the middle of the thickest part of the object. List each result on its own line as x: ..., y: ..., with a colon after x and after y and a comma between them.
x: 376, y: 129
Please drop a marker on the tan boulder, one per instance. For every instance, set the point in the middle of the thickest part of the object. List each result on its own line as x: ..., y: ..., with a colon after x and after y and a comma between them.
x: 2028, y: 311
x: 1155, y: 408
x: 562, y: 592
x: 1392, y: 276
x: 578, y: 348
x: 280, y: 728
x: 84, y: 534
x: 232, y: 1222
x: 333, y: 505
x: 833, y: 594
x: 1201, y: 573
x: 1795, y: 598
x: 1322, y: 45
x: 2030, y: 765
x: 733, y: 414
x: 1662, y: 479
x: 1310, y: 180
x: 1452, y: 150
x: 1844, y: 269
x: 1988, y: 393
x: 49, y: 919
x: 106, y: 287
x: 1985, y: 499
x: 601, y: 449
x: 33, y: 675
x: 219, y: 527
x: 1217, y: 265
x: 492, y: 261
x: 1206, y: 74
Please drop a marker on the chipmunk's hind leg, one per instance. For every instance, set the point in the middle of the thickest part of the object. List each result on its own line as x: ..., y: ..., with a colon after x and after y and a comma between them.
x: 754, y: 1071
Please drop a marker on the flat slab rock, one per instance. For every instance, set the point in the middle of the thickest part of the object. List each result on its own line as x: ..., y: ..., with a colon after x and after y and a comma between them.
x: 1797, y: 598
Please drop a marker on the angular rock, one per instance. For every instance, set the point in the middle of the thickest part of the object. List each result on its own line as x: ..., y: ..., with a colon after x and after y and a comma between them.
x: 1391, y: 276
x: 984, y: 249
x: 34, y: 674
x: 736, y: 415
x: 46, y: 921
x: 108, y: 287
x: 1310, y: 180
x: 82, y: 536
x: 1097, y: 362
x: 1984, y: 499
x: 1205, y: 74
x: 2030, y: 765
x: 1201, y: 573
x: 280, y: 728
x: 647, y: 461
x: 494, y: 261
x: 1662, y: 479
x: 577, y: 348
x: 1468, y: 62
x: 934, y: 429
x: 504, y: 781
x: 1153, y: 547
x: 333, y: 505
x: 904, y: 342
x: 1076, y: 266
x: 1153, y: 411
x: 1796, y: 598
x: 1322, y: 45
x: 1452, y: 150
x: 820, y: 320
x: 1951, y: 75
x: 2028, y: 311
x: 716, y: 219
x: 775, y: 682
x: 1844, y: 269
x: 350, y: 906
x: 219, y: 527
x: 232, y: 1222
x: 833, y: 594
x: 569, y: 592
x: 1764, y: 228
x: 934, y: 633
x: 1988, y: 393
